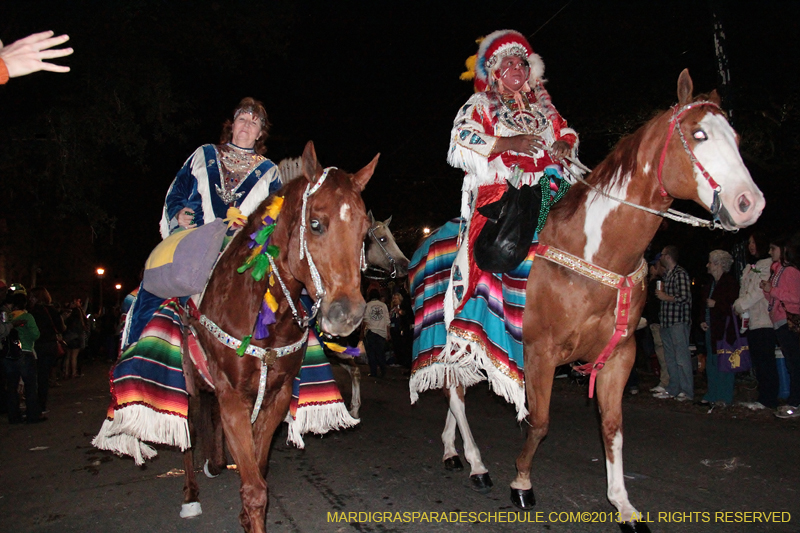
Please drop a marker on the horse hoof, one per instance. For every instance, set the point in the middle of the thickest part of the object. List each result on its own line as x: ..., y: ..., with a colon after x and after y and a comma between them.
x: 481, y: 482
x: 453, y: 463
x: 208, y: 473
x: 634, y: 527
x: 191, y: 510
x: 523, y: 498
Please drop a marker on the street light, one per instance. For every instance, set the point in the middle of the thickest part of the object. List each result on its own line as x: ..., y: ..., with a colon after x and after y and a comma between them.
x: 426, y: 231
x: 101, y: 273
x: 118, y: 287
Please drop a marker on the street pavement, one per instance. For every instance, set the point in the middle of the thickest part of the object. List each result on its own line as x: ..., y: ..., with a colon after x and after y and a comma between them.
x: 686, y: 468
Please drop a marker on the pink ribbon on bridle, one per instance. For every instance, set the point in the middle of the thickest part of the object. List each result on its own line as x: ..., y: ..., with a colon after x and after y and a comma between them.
x: 676, y: 116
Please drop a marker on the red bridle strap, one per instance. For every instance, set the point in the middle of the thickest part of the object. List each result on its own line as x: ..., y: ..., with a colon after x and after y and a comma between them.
x: 675, y: 122
x: 624, y: 286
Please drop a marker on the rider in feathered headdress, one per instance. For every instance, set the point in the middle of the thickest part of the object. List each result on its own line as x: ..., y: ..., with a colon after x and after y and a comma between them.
x: 508, y: 131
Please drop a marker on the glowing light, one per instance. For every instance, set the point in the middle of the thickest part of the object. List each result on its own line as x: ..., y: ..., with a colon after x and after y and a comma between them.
x: 100, y: 271
x: 426, y: 231
x: 118, y: 286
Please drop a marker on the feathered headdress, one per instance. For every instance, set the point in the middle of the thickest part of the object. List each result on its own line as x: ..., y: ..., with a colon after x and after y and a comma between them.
x: 492, y: 49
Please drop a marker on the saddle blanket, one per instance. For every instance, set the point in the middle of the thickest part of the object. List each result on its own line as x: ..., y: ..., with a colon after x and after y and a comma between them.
x: 484, y: 339
x: 149, y: 402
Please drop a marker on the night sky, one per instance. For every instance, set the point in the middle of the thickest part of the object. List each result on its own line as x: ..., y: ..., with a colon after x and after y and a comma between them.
x: 360, y: 78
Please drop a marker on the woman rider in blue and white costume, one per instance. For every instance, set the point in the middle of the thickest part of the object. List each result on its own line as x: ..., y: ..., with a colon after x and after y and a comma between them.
x: 219, y: 176
x: 233, y: 173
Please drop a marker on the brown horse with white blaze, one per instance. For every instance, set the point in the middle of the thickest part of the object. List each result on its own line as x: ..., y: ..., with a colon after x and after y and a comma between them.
x: 319, y: 234
x: 586, y: 290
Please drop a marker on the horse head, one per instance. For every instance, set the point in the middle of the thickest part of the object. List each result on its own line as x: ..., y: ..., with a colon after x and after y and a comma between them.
x: 325, y: 235
x: 707, y: 143
x: 382, y: 250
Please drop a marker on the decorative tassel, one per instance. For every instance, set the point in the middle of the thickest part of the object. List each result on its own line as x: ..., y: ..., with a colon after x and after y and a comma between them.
x: 234, y: 217
x: 470, y: 64
x: 245, y: 343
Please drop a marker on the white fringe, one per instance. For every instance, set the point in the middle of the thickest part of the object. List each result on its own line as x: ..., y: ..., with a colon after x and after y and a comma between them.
x: 135, y: 424
x: 318, y: 419
x: 123, y: 444
x: 461, y: 362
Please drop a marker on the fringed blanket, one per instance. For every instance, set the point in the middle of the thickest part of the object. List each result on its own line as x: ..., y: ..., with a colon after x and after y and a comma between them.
x: 317, y: 405
x: 484, y: 339
x: 149, y: 402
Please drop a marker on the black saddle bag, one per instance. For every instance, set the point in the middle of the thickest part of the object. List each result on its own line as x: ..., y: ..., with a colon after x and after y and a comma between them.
x: 505, y: 239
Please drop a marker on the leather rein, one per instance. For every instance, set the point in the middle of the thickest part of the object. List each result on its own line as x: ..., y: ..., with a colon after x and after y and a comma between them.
x: 671, y: 214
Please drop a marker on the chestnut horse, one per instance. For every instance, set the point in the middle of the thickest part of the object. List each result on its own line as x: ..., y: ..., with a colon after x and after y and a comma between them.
x: 319, y: 234
x: 688, y: 152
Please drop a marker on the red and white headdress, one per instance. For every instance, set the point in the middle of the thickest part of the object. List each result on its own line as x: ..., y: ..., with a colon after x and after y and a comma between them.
x: 493, y: 48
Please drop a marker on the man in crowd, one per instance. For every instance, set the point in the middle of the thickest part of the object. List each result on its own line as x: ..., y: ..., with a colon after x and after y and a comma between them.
x: 675, y: 316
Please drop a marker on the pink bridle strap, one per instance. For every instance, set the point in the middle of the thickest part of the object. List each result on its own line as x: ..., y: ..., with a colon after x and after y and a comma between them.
x: 624, y: 286
x: 677, y: 113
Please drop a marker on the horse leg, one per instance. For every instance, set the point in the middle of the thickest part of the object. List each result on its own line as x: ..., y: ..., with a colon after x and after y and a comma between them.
x: 191, y: 493
x: 610, y: 386
x: 479, y: 474
x: 355, y: 379
x: 235, y: 416
x: 539, y: 386
x: 213, y: 437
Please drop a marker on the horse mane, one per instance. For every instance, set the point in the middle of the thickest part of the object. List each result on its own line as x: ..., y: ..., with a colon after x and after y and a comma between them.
x: 622, y: 161
x: 290, y: 168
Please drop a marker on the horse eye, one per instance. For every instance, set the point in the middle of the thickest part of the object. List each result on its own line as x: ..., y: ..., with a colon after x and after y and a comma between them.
x: 700, y: 135
x: 382, y: 239
x: 316, y: 226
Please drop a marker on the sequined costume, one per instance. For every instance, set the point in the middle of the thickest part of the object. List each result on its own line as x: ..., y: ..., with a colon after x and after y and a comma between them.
x: 487, y: 116
x: 216, y: 177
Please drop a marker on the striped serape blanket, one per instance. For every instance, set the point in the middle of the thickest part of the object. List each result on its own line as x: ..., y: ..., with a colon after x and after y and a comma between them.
x: 484, y: 340
x: 317, y: 405
x: 149, y: 402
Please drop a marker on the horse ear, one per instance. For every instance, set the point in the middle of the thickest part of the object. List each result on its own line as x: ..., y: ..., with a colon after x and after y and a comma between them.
x: 361, y: 177
x: 311, y: 167
x: 387, y: 221
x: 714, y: 97
x: 685, y: 87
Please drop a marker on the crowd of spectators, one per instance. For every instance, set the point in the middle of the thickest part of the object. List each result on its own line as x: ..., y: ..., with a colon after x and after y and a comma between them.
x: 688, y: 328
x: 43, y: 343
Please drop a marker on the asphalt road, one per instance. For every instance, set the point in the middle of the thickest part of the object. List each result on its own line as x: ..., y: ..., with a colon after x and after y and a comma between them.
x: 683, y: 466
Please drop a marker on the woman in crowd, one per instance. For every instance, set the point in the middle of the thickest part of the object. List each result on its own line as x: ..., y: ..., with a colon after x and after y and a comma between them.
x: 752, y: 307
x: 22, y: 365
x: 782, y: 292
x: 51, y: 326
x: 719, y: 296
x: 75, y: 336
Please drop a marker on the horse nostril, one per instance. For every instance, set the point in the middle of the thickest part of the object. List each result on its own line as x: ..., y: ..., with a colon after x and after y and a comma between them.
x: 744, y: 203
x: 337, y: 313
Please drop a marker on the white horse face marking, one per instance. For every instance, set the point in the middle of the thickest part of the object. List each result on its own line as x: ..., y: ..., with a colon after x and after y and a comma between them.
x: 344, y: 212
x: 717, y: 151
x: 598, y: 208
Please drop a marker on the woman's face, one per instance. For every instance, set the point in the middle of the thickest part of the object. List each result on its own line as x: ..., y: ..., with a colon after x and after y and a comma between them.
x: 713, y: 268
x: 774, y: 253
x: 513, y: 72
x: 751, y: 246
x: 395, y: 300
x: 246, y: 130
